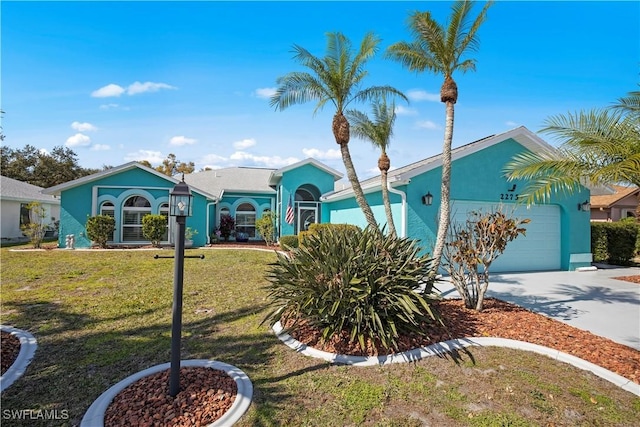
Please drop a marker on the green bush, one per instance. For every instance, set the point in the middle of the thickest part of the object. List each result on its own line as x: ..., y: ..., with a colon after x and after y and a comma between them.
x: 614, y: 242
x: 36, y: 228
x: 360, y: 282
x: 154, y: 228
x: 100, y: 228
x: 289, y: 242
x: 266, y: 227
x: 318, y: 228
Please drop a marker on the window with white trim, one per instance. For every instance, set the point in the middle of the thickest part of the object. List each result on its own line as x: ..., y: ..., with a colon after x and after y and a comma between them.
x: 246, y: 219
x: 133, y: 210
x: 108, y: 209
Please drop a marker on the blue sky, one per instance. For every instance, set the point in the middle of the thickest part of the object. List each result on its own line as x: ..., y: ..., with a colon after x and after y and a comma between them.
x: 124, y: 81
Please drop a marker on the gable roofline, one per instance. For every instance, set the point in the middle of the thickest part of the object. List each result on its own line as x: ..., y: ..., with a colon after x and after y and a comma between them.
x: 619, y: 193
x: 20, y: 191
x: 273, y: 180
x: 521, y: 134
x: 56, y: 190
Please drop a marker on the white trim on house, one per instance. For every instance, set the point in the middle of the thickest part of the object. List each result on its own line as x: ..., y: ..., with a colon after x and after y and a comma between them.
x: 521, y: 135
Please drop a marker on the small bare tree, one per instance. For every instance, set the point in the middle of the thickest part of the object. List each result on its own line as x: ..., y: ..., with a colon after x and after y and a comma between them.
x: 35, y: 228
x: 472, y: 248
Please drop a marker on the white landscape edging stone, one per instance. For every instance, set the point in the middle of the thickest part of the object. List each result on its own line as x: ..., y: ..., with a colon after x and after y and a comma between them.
x: 94, y: 417
x: 28, y: 345
x: 456, y: 344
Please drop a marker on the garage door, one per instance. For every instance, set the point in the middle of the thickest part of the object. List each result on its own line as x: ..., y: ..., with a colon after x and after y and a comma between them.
x: 538, y: 250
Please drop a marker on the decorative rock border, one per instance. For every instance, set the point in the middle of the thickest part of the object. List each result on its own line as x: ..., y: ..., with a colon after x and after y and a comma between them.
x: 442, y: 348
x: 94, y: 417
x: 28, y: 345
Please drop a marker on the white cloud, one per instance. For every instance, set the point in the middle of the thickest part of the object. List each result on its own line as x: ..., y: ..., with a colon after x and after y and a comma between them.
x: 44, y: 151
x: 138, y: 87
x: 427, y: 124
x: 100, y: 147
x: 108, y: 91
x: 114, y: 90
x: 244, y: 144
x: 182, y: 140
x: 78, y: 140
x: 248, y: 159
x: 83, y: 127
x: 108, y: 106
x: 265, y: 92
x: 213, y: 158
x: 422, y: 95
x: 329, y: 154
x: 511, y: 124
x: 405, y: 111
x: 153, y: 157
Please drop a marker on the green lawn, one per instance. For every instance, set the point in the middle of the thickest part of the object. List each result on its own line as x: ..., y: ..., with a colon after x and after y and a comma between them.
x: 100, y: 316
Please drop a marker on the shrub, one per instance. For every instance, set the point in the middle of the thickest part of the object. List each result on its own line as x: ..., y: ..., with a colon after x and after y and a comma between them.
x: 289, y: 242
x: 318, y: 228
x: 100, y: 228
x: 36, y: 228
x: 472, y: 248
x: 154, y: 228
x: 614, y: 242
x: 226, y: 227
x: 266, y: 226
x: 360, y: 282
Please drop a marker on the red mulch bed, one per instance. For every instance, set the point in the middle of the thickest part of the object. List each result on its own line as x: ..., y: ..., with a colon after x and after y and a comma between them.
x: 205, y: 395
x: 10, y: 346
x: 632, y: 279
x: 502, y: 320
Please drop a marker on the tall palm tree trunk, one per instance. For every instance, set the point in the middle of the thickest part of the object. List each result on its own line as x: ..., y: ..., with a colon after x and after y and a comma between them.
x: 357, y: 188
x: 445, y: 207
x: 387, y: 204
x: 340, y: 128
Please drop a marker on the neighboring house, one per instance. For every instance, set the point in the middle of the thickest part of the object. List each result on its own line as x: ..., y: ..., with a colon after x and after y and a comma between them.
x: 614, y: 202
x: 14, y: 197
x: 558, y: 237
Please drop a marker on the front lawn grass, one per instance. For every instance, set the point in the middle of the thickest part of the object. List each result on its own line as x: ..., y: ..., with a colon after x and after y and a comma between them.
x: 100, y: 316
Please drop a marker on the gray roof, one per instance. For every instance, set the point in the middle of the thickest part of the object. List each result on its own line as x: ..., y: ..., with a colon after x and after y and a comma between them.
x: 231, y: 180
x: 12, y: 189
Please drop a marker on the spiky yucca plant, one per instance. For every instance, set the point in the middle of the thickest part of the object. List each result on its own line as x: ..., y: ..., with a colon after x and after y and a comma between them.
x: 359, y: 281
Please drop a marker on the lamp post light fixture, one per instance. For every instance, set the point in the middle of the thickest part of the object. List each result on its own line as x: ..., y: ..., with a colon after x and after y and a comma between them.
x: 427, y: 199
x: 180, y: 207
x: 584, y: 206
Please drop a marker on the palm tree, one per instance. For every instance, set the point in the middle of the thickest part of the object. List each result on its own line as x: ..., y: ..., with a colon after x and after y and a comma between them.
x: 378, y: 132
x: 600, y: 146
x: 334, y: 79
x: 441, y: 50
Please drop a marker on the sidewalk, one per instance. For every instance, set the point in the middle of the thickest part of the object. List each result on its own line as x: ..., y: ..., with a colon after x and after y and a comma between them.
x: 589, y: 300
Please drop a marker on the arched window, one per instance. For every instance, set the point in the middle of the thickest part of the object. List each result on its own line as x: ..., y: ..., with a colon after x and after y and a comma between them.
x: 134, y: 208
x: 164, y: 210
x: 246, y: 219
x: 108, y: 209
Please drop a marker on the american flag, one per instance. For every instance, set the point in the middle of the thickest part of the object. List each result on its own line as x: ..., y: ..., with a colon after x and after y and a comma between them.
x: 289, y: 216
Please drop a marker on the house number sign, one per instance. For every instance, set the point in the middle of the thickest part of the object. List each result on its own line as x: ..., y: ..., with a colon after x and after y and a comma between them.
x: 508, y: 196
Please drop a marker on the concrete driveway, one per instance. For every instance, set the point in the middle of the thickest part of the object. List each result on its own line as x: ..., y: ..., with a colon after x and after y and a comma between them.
x: 590, y: 300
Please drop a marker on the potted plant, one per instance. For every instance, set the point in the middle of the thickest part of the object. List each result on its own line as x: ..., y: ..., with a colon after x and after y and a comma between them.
x: 242, y: 237
x: 188, y: 236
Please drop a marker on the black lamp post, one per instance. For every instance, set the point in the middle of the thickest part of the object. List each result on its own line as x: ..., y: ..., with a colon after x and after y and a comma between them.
x: 179, y: 207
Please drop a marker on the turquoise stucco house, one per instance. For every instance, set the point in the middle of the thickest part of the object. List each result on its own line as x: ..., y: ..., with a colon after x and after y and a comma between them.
x: 558, y: 237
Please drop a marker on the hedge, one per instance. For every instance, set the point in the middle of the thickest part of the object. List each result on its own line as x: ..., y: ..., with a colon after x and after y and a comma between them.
x: 614, y: 242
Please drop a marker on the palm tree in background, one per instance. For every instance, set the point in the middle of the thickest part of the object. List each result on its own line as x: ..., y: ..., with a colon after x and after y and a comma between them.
x: 441, y: 50
x: 378, y: 131
x: 335, y: 79
x: 599, y: 147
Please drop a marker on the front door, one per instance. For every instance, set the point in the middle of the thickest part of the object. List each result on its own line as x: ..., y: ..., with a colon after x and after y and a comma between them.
x: 307, y: 215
